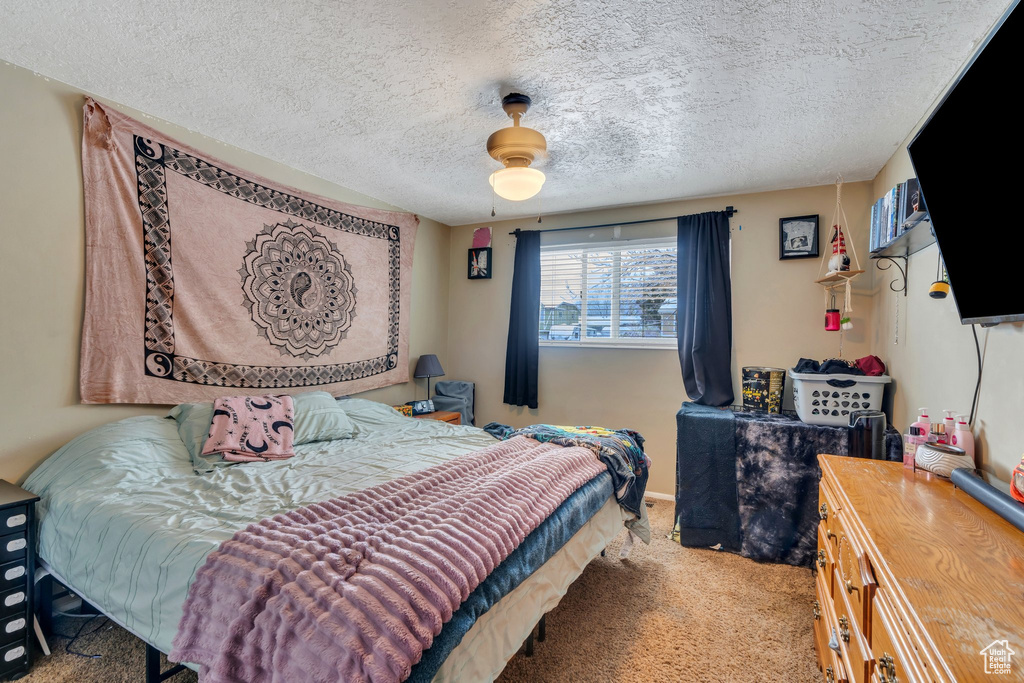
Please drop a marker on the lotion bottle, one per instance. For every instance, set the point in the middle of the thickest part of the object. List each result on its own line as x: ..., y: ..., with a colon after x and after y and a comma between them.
x: 923, y: 423
x: 963, y: 437
x: 950, y: 422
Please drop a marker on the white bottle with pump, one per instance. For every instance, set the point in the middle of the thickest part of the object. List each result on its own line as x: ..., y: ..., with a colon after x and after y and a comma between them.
x: 963, y: 437
x: 923, y: 423
x: 949, y: 426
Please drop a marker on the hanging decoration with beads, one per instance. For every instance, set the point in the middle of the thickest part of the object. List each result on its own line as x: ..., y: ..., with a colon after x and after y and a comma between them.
x: 839, y: 265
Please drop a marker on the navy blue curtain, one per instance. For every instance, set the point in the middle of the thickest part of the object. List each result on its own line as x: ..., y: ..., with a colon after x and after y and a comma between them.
x: 524, y: 323
x: 704, y: 307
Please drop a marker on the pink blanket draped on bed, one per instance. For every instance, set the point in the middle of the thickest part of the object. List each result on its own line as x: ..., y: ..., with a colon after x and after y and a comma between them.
x: 355, y: 588
x: 252, y: 428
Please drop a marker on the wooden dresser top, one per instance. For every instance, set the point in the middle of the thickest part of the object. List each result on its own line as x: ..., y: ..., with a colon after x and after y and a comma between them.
x: 956, y: 564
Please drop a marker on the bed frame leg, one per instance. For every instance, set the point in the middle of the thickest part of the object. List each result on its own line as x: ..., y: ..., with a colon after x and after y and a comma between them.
x: 529, y: 644
x: 542, y: 629
x: 602, y: 553
x: 44, y: 588
x: 153, y: 673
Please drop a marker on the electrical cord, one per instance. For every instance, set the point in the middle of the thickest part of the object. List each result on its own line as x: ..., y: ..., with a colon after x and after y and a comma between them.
x: 977, y: 386
x: 78, y: 634
x: 71, y: 615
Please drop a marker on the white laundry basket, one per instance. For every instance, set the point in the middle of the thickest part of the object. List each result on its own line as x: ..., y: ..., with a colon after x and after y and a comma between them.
x: 829, y: 399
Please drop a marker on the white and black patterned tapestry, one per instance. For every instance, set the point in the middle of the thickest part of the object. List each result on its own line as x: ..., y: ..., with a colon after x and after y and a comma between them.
x: 203, y: 280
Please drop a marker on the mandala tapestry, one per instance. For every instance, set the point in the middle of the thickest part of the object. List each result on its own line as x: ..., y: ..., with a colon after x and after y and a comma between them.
x: 204, y: 280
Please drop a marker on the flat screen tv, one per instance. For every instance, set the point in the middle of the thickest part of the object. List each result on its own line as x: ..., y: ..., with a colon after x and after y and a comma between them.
x: 967, y: 159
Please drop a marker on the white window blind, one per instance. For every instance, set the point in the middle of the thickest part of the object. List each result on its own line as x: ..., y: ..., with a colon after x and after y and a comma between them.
x: 609, y: 294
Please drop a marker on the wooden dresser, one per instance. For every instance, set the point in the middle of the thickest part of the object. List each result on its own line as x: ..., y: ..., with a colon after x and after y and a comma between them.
x: 915, y: 578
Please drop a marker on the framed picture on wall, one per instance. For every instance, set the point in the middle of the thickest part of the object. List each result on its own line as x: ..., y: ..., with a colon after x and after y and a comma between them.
x: 480, y: 263
x: 798, y: 237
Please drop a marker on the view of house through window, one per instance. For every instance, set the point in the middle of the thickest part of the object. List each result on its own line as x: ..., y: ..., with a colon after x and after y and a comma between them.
x: 612, y: 293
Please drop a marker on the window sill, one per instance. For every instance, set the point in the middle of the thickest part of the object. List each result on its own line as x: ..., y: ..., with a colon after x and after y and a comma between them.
x: 606, y: 345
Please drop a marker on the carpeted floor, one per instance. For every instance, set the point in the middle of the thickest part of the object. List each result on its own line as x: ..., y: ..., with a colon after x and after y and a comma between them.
x: 667, y: 613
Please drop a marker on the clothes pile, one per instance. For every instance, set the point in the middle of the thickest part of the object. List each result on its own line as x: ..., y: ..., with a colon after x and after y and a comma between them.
x: 870, y: 366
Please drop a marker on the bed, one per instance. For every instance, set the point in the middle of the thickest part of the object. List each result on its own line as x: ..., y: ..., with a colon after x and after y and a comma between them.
x: 126, y: 524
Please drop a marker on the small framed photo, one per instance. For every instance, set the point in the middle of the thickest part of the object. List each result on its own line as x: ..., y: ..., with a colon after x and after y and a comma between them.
x: 798, y: 237
x: 480, y: 263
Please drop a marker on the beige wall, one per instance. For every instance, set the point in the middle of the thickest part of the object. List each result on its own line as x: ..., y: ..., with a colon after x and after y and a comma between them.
x: 778, y: 316
x: 935, y: 361
x: 42, y: 267
x: 777, y: 307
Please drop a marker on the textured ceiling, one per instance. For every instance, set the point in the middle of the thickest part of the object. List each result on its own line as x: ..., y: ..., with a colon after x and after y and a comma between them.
x: 640, y: 100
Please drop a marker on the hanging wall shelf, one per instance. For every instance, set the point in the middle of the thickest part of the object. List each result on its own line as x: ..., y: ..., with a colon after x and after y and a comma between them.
x: 839, y: 265
x: 841, y: 276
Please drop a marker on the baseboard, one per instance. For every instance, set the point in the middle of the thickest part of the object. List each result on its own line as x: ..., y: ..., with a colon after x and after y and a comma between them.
x: 658, y: 496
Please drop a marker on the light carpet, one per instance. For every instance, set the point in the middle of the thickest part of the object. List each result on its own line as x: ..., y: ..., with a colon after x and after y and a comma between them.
x: 667, y: 613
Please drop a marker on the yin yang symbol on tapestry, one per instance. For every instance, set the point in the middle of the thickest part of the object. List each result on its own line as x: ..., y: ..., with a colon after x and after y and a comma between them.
x: 298, y: 289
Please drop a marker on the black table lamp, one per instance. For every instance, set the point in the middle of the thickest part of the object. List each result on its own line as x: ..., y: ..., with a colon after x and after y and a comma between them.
x: 428, y: 366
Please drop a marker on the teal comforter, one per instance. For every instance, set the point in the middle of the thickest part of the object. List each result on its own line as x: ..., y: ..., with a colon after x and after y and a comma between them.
x: 126, y: 523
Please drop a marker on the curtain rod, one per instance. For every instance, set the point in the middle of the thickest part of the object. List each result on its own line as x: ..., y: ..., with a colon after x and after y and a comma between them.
x: 729, y: 210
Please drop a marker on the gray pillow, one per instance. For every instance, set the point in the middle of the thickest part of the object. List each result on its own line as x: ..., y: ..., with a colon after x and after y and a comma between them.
x: 318, y: 417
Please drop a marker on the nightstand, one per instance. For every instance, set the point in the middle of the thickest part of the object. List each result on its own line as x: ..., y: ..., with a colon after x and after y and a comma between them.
x: 17, y: 567
x: 442, y: 416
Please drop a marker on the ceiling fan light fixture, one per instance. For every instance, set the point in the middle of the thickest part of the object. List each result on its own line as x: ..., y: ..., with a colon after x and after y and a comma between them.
x: 517, y: 183
x: 516, y: 148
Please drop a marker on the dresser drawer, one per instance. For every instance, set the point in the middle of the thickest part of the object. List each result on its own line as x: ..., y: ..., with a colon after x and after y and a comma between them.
x: 827, y: 512
x: 894, y: 661
x: 13, y: 656
x: 12, y: 602
x: 820, y: 615
x: 834, y: 671
x: 825, y: 558
x: 13, y: 519
x: 852, y: 642
x: 825, y: 628
x: 828, y: 501
x: 14, y: 627
x: 13, y: 575
x: 13, y: 547
x: 853, y: 575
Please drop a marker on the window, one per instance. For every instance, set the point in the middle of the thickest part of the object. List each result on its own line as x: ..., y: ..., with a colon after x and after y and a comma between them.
x: 609, y: 294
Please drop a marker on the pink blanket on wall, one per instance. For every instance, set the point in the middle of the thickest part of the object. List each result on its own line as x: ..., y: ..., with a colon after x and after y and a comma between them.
x: 252, y: 428
x: 355, y: 588
x: 204, y: 279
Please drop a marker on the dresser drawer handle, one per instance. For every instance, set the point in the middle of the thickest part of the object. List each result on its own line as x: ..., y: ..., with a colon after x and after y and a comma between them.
x: 14, y: 599
x: 850, y: 587
x: 817, y: 610
x: 821, y: 559
x: 14, y: 573
x: 16, y: 520
x: 16, y: 544
x: 887, y: 669
x: 14, y: 653
x: 830, y: 676
x: 823, y: 512
x: 844, y: 629
x: 15, y: 626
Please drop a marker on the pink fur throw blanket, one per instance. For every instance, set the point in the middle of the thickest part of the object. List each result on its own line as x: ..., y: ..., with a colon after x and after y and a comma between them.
x: 252, y: 428
x: 355, y: 588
